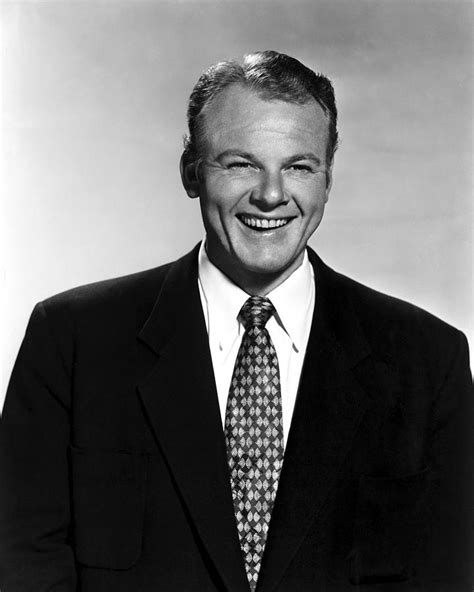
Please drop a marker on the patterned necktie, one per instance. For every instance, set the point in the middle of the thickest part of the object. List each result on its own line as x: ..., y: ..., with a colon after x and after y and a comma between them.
x: 254, y: 433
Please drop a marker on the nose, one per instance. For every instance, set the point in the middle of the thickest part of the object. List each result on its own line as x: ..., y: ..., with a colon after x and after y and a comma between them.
x: 270, y: 192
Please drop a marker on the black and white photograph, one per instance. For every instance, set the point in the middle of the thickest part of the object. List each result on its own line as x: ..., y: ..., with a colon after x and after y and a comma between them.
x: 236, y: 287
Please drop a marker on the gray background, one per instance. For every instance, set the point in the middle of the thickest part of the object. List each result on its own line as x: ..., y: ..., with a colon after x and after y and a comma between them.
x: 93, y: 112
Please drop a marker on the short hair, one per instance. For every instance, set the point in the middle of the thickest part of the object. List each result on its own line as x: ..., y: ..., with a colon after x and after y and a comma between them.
x: 273, y: 76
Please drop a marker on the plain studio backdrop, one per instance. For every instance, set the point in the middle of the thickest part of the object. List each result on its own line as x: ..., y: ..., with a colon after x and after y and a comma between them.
x: 93, y: 113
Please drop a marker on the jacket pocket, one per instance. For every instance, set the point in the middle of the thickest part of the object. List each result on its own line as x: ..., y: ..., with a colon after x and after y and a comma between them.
x: 108, y: 490
x: 388, y: 526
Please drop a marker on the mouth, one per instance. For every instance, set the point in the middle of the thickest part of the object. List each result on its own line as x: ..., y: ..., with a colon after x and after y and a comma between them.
x: 263, y: 224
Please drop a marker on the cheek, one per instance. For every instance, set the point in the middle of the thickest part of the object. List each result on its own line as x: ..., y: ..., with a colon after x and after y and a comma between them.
x: 311, y: 203
x: 307, y: 189
x: 225, y: 191
x: 313, y: 210
x: 216, y: 210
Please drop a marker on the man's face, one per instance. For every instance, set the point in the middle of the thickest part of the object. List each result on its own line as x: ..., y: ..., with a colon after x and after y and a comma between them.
x: 263, y: 184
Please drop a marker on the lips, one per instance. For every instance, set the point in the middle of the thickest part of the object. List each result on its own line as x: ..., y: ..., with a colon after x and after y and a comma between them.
x: 262, y: 224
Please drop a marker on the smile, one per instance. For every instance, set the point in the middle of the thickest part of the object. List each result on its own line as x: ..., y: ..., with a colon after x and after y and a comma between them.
x: 263, y: 223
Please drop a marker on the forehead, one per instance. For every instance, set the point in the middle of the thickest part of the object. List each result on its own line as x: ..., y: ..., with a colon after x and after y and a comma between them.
x: 240, y: 116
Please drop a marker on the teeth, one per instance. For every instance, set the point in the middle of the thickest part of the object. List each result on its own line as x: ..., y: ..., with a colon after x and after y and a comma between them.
x: 264, y: 223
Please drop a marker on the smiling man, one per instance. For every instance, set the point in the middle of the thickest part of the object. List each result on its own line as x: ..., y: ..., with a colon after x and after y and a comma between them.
x: 244, y: 418
x: 262, y: 171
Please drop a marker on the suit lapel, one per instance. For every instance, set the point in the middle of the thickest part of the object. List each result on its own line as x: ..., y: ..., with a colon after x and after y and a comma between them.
x: 328, y: 410
x: 181, y: 401
x: 180, y: 398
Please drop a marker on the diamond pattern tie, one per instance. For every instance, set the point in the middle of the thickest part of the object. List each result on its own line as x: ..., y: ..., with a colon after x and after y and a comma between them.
x: 254, y: 433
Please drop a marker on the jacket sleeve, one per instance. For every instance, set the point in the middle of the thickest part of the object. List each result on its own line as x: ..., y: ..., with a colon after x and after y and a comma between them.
x: 35, y: 550
x: 450, y: 553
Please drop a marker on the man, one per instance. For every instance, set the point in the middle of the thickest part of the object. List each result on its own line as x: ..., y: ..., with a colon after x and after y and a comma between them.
x: 146, y: 435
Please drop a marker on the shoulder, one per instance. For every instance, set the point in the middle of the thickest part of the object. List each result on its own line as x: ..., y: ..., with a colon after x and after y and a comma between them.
x: 377, y: 309
x: 126, y: 300
x: 383, y: 313
x: 139, y: 289
x: 399, y: 333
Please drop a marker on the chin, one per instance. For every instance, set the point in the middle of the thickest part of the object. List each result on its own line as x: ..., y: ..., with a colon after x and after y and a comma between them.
x: 272, y: 263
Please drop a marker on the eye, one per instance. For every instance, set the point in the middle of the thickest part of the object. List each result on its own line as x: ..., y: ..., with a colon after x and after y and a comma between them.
x: 239, y: 165
x: 301, y: 168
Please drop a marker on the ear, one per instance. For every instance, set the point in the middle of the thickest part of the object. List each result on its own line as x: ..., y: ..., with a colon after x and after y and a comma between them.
x: 328, y: 180
x: 189, y: 175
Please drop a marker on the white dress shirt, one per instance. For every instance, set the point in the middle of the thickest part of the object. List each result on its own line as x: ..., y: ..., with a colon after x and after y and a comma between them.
x: 289, y: 330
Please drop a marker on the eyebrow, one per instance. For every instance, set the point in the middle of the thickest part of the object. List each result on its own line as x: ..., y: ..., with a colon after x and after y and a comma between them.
x: 232, y: 152
x: 306, y: 156
x: 292, y: 159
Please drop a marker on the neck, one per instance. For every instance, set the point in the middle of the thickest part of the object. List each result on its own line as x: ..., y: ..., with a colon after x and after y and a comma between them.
x: 257, y: 284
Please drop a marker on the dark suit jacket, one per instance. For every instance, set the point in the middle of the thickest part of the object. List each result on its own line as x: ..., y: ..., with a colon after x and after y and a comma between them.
x: 114, y: 472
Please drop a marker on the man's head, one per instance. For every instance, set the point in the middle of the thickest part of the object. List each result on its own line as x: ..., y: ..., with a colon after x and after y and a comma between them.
x: 259, y: 154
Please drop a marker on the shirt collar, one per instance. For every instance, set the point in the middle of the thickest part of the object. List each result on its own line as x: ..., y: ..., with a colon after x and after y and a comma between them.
x: 292, y: 300
x: 224, y: 300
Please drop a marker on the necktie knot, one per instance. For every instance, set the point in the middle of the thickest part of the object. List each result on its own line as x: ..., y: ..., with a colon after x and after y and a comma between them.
x: 256, y: 311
